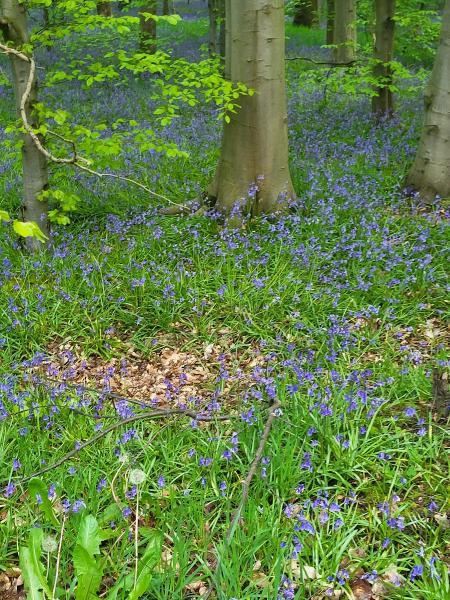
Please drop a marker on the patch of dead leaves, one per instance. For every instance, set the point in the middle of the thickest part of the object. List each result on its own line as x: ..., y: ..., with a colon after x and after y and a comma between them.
x: 168, y: 377
x: 11, y: 584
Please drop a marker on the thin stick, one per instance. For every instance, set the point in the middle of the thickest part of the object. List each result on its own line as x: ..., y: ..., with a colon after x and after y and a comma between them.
x: 136, y: 539
x: 156, y: 414
x: 58, y: 558
x: 274, y: 413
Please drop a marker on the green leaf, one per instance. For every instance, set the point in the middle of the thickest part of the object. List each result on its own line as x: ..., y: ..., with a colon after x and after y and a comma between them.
x: 89, y: 535
x: 31, y: 567
x: 4, y: 216
x: 88, y: 572
x: 37, y: 486
x: 29, y: 229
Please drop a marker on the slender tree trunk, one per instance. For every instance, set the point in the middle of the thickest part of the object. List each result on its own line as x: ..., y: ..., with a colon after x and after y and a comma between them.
x: 34, y: 164
x: 167, y: 7
x: 430, y: 173
x: 330, y: 21
x: 252, y: 175
x: 104, y: 9
x: 147, y: 33
x: 306, y: 13
x: 383, y: 101
x: 345, y: 31
x: 222, y: 30
x: 213, y: 17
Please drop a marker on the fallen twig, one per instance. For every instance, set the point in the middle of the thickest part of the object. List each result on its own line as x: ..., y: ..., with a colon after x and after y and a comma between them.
x: 149, y: 415
x: 274, y: 413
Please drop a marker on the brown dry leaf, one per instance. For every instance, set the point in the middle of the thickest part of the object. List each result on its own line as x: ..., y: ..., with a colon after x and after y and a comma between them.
x: 357, y: 552
x: 442, y: 520
x: 361, y: 589
x: 5, y: 582
x: 199, y: 588
x: 261, y: 580
x: 303, y: 571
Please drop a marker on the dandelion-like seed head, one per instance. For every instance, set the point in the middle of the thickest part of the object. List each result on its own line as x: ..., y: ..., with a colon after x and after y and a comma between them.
x: 137, y: 476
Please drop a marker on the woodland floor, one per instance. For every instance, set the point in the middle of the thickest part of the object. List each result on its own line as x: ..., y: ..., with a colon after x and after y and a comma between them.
x: 338, y: 311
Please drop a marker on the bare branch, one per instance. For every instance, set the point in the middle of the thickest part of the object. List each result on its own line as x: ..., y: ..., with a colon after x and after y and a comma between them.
x: 324, y: 63
x: 75, y: 160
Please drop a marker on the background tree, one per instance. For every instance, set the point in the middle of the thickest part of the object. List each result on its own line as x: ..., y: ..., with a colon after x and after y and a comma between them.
x: 305, y: 13
x: 253, y: 171
x: 14, y: 27
x: 344, y: 31
x: 167, y: 7
x: 430, y: 173
x: 330, y: 21
x: 383, y: 101
x: 213, y: 13
x: 147, y: 28
x: 104, y: 9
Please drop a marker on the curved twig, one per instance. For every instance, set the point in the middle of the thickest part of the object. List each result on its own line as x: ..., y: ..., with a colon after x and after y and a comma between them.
x: 155, y: 414
x: 75, y: 160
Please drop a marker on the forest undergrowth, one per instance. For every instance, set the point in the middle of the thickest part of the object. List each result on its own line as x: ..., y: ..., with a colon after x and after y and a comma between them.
x: 338, y: 311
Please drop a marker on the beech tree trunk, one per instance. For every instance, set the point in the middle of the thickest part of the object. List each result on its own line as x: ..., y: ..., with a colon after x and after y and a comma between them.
x: 330, y: 21
x: 104, y: 9
x: 306, y: 13
x: 430, y: 173
x: 14, y: 26
x: 147, y: 32
x: 344, y: 31
x: 383, y: 101
x: 252, y: 175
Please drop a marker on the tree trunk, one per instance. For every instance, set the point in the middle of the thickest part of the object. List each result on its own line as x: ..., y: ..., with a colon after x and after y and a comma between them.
x: 104, y: 9
x: 252, y: 175
x: 383, y: 101
x: 147, y: 33
x: 430, y: 173
x: 222, y: 30
x: 167, y: 7
x: 345, y: 31
x: 306, y: 13
x: 34, y: 163
x: 330, y: 21
x: 213, y: 17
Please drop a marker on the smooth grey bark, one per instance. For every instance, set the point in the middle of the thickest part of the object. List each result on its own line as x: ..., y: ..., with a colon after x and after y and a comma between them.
x: 14, y: 27
x: 430, y: 173
x: 383, y: 101
x: 147, y: 29
x: 344, y: 31
x: 252, y: 176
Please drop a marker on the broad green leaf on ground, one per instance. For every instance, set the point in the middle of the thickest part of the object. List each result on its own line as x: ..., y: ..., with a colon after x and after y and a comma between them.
x: 88, y: 572
x: 31, y: 567
x: 89, y: 535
